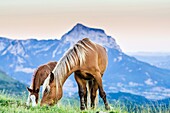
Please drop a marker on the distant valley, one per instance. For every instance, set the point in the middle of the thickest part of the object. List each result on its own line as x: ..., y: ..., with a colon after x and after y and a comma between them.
x: 161, y: 60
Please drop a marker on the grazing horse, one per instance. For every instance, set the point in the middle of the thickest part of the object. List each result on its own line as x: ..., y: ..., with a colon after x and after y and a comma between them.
x: 38, y: 79
x: 89, y: 61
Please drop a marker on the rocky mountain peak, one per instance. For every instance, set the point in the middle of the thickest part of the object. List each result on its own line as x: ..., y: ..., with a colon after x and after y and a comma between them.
x: 80, y: 31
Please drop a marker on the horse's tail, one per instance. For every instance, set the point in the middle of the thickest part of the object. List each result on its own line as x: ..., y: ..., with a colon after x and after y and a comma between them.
x: 89, y: 87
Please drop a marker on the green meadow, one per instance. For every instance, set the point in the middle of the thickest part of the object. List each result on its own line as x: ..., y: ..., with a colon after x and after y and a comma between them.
x: 16, y: 104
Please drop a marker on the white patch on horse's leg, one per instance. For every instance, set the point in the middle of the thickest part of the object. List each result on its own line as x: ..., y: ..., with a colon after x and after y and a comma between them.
x: 88, y: 95
x: 58, y: 104
x: 28, y: 100
x: 96, y: 101
x: 33, y: 100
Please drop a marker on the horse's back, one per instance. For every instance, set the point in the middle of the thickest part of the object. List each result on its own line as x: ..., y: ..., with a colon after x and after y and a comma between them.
x: 97, y: 54
x: 52, y: 65
x: 102, y: 57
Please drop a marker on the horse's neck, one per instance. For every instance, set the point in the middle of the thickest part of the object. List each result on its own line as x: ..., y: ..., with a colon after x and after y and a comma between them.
x: 59, y: 92
x: 66, y: 76
x: 63, y: 73
x: 36, y: 83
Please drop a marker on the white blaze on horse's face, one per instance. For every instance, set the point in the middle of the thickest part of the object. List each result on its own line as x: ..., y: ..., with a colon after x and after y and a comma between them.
x: 32, y: 97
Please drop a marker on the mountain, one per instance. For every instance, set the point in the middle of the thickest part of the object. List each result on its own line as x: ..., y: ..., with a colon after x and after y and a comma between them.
x: 20, y: 58
x: 161, y: 60
x: 11, y: 86
x: 127, y: 98
x: 135, y: 103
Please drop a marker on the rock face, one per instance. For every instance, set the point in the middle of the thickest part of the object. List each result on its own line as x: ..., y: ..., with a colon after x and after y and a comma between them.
x: 20, y: 58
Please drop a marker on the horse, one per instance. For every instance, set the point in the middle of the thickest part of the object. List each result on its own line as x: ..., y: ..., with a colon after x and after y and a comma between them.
x: 38, y: 79
x: 88, y: 61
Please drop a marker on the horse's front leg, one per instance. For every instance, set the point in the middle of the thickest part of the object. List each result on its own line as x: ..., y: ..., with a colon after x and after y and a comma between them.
x: 94, y: 96
x: 28, y: 100
x: 82, y: 91
x: 82, y: 99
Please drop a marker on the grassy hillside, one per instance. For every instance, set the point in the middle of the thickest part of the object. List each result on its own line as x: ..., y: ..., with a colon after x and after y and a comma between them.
x: 9, y: 85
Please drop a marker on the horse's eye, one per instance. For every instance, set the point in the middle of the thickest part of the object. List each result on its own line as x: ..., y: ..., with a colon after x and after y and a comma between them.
x: 46, y: 90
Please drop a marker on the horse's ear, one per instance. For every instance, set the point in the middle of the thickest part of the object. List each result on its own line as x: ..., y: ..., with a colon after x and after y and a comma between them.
x: 30, y: 90
x: 51, y: 77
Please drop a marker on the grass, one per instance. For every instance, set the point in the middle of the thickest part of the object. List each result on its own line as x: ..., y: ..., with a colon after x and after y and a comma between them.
x: 16, y: 104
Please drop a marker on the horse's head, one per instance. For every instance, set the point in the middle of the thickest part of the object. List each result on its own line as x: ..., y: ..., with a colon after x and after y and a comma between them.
x: 34, y: 95
x: 49, y: 91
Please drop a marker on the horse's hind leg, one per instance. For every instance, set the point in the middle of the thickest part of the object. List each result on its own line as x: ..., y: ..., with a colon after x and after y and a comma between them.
x: 102, y: 93
x: 82, y: 91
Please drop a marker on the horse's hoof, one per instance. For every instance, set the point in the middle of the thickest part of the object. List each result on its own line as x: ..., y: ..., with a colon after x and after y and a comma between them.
x: 107, y: 107
x: 27, y: 104
x: 82, y: 107
x: 92, y: 107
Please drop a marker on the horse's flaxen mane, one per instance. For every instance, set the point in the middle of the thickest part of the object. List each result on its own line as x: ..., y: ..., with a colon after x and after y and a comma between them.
x: 74, y: 56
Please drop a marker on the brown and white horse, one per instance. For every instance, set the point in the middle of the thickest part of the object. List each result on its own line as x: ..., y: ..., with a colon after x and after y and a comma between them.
x: 38, y: 79
x: 89, y: 61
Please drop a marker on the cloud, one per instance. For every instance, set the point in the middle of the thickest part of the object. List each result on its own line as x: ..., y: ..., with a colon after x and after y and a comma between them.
x: 133, y: 84
x: 150, y: 82
x: 24, y: 69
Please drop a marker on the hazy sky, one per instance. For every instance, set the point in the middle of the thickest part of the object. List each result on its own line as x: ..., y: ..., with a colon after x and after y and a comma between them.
x: 137, y: 25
